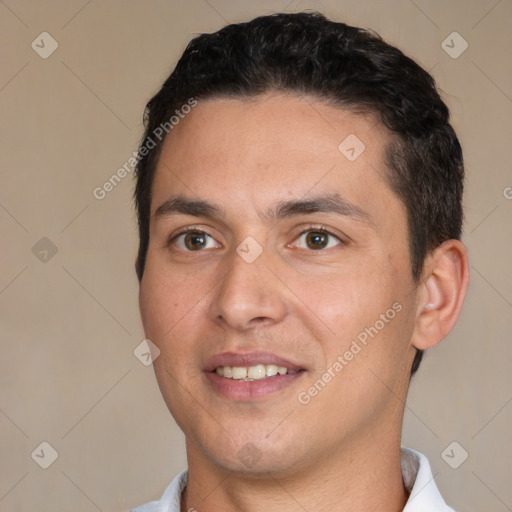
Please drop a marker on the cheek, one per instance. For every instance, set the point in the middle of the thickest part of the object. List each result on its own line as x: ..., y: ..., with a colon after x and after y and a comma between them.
x: 368, y: 320
x: 172, y: 306
x: 163, y: 294
x: 155, y: 306
x: 349, y: 299
x: 168, y: 316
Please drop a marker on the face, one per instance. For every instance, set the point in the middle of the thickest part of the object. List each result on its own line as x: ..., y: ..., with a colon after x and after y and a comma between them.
x: 278, y: 283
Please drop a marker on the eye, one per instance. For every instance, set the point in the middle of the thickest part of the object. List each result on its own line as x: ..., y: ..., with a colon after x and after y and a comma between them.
x: 316, y: 239
x: 194, y: 241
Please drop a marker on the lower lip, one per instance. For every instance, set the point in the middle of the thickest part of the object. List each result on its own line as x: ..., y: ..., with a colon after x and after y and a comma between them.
x: 253, y: 389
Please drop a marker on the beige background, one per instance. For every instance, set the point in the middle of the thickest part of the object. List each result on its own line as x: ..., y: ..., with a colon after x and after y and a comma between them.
x: 70, y: 324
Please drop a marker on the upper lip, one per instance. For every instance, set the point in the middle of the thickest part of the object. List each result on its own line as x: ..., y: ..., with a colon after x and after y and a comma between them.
x: 246, y: 359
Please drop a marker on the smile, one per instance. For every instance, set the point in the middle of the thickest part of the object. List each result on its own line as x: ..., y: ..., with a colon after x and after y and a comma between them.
x: 250, y: 376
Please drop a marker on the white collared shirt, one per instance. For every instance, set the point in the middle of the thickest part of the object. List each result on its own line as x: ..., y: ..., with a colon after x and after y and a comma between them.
x: 416, y: 472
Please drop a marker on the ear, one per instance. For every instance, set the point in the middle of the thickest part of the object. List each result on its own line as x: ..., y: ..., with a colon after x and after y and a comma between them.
x: 441, y: 293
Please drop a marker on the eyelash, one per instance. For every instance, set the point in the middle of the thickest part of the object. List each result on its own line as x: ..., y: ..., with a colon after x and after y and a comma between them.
x: 310, y: 228
x: 318, y: 229
x: 190, y: 229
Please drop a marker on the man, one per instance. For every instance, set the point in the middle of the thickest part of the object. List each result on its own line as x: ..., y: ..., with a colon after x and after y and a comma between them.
x: 299, y: 199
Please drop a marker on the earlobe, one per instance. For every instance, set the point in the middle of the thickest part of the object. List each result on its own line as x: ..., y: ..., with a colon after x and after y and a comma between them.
x: 442, y: 291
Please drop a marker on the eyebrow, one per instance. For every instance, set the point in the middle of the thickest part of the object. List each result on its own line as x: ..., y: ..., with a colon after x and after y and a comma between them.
x: 177, y: 205
x: 332, y: 203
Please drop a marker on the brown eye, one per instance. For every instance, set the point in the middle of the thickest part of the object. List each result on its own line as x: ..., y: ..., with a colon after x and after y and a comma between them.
x: 195, y: 241
x: 316, y: 239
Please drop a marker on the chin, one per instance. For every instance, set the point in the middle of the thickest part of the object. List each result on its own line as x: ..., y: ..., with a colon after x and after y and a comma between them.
x: 251, y: 462
x: 254, y: 456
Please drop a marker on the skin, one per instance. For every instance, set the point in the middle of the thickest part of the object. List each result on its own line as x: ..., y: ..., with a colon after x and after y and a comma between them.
x: 340, y: 451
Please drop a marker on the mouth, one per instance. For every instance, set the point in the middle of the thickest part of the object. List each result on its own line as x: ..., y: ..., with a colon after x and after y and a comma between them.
x: 250, y: 376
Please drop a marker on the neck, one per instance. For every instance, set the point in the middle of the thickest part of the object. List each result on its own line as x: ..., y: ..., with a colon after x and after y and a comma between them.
x: 367, y: 477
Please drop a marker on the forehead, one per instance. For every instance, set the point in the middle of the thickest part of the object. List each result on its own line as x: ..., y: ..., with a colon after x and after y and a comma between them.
x: 251, y: 152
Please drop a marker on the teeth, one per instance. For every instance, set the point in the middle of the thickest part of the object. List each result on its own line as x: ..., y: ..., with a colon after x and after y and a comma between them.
x: 239, y: 372
x: 256, y: 372
x: 271, y: 370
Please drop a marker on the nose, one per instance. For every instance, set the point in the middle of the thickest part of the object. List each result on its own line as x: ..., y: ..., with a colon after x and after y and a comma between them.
x: 249, y: 295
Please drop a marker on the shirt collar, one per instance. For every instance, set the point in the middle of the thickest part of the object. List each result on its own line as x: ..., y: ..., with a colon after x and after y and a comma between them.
x: 419, y: 482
